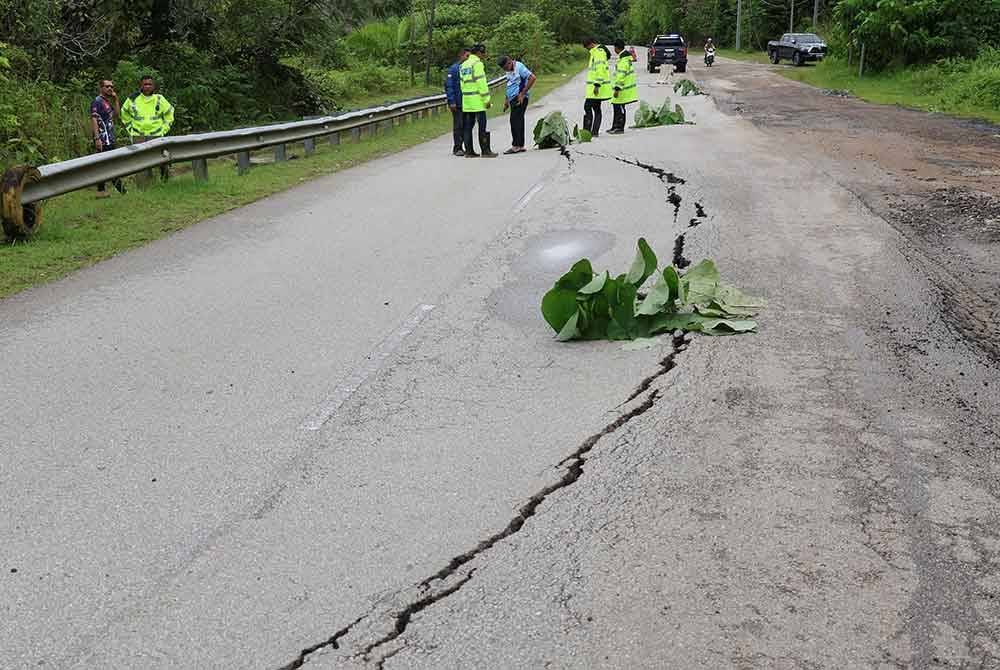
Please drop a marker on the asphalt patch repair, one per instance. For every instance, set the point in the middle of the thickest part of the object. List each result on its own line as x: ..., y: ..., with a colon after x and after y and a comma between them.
x: 934, y: 178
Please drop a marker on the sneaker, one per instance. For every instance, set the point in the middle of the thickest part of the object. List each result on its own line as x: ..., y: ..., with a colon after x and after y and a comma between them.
x: 458, y: 152
x: 470, y: 154
x: 616, y: 131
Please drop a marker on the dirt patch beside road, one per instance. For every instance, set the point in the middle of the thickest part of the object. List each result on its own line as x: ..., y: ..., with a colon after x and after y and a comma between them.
x: 936, y: 179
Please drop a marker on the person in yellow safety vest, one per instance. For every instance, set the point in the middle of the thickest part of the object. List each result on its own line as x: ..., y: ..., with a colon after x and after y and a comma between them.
x: 598, y: 86
x: 475, y: 101
x: 625, y: 88
x: 147, y: 115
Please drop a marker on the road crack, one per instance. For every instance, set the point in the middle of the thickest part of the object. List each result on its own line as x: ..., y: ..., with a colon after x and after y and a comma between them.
x: 400, y: 608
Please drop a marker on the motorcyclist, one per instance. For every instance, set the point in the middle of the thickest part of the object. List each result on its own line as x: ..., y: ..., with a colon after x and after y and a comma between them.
x: 709, y: 45
x: 709, y: 51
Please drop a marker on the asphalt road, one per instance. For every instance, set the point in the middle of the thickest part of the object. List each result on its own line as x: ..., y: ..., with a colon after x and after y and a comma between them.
x: 335, y: 421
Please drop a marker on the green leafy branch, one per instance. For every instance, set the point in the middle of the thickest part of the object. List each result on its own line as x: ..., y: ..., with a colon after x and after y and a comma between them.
x: 686, y: 87
x: 647, y: 117
x: 584, y: 305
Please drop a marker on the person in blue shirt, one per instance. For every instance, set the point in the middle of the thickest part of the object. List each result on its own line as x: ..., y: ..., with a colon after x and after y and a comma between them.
x: 453, y: 90
x: 519, y: 81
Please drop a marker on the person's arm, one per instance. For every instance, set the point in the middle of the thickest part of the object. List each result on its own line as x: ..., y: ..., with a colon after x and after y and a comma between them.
x: 449, y: 90
x: 126, y: 116
x: 484, y: 86
x: 95, y: 136
x: 167, y: 115
x: 528, y: 83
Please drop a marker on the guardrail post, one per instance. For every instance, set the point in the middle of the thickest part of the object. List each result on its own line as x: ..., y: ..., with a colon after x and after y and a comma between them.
x: 310, y: 146
x: 280, y: 153
x: 200, y: 166
x: 334, y: 139
x: 243, y: 162
x: 355, y: 134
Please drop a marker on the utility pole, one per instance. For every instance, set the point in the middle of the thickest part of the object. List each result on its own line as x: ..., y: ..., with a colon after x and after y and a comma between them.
x: 791, y: 18
x: 815, y: 13
x: 739, y: 22
x: 430, y: 43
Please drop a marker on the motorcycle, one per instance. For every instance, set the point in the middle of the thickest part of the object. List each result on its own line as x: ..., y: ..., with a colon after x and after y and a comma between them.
x: 709, y: 57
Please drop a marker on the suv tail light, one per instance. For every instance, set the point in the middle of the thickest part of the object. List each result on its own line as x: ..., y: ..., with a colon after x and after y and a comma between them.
x: 683, y: 51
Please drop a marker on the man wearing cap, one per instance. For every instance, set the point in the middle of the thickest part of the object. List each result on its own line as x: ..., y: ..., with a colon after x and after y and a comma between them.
x: 475, y: 101
x: 519, y: 80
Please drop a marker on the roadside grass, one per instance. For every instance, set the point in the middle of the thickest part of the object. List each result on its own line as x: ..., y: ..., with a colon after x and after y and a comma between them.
x: 376, y: 99
x: 964, y: 92
x: 78, y: 230
x: 746, y: 56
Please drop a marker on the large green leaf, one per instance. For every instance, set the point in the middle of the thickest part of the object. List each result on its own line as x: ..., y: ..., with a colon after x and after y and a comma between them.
x: 645, y: 116
x: 558, y: 305
x: 644, y: 264
x: 663, y: 296
x: 701, y: 283
x: 552, y: 131
x: 596, y: 284
x: 578, y: 276
x: 727, y: 326
x: 569, y: 330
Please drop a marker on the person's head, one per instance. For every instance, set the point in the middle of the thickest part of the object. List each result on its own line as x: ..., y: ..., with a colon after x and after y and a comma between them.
x: 147, y: 85
x: 106, y: 87
x: 620, y: 44
x: 589, y: 43
x: 463, y: 53
x: 479, y: 50
x: 506, y: 63
x: 709, y: 41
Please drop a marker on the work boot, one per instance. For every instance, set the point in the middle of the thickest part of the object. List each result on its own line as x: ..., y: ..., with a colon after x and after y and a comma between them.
x: 484, y: 146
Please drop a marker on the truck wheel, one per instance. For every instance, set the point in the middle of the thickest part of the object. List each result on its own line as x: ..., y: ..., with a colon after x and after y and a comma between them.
x: 797, y: 59
x: 681, y: 67
x: 775, y: 58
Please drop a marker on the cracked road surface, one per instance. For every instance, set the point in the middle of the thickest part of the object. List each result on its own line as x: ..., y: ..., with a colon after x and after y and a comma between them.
x: 251, y: 444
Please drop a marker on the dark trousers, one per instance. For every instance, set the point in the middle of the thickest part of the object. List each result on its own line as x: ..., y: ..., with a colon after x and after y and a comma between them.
x: 146, y: 176
x: 117, y: 183
x: 517, y: 122
x: 470, y: 120
x: 457, y: 125
x: 619, y: 121
x: 592, y: 116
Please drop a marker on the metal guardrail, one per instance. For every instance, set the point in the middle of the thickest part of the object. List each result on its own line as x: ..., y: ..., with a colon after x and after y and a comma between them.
x: 25, y: 187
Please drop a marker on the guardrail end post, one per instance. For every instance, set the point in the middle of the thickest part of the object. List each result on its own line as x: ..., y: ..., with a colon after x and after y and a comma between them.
x: 200, y: 166
x: 243, y: 162
x: 19, y: 220
x: 310, y: 146
x: 280, y: 153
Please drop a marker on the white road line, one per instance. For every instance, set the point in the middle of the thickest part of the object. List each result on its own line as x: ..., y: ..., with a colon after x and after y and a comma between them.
x: 526, y: 198
x: 373, y: 363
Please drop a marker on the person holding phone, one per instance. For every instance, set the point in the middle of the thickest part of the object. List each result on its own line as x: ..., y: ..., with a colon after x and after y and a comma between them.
x: 103, y: 111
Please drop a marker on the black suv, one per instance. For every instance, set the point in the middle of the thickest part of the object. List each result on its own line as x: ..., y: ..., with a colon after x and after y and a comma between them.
x: 668, y: 50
